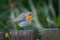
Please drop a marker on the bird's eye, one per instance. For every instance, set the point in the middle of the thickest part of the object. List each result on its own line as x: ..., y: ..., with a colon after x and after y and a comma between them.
x: 30, y: 14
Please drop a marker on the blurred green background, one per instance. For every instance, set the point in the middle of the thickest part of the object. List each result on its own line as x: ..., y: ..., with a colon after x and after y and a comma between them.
x: 39, y: 5
x: 47, y: 13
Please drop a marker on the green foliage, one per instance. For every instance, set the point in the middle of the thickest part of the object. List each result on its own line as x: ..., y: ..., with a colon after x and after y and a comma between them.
x: 38, y: 4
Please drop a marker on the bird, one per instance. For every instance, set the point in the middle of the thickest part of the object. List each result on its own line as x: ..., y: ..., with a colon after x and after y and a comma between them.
x: 24, y: 19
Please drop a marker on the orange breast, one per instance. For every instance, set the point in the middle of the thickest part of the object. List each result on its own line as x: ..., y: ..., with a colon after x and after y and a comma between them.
x: 30, y: 18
